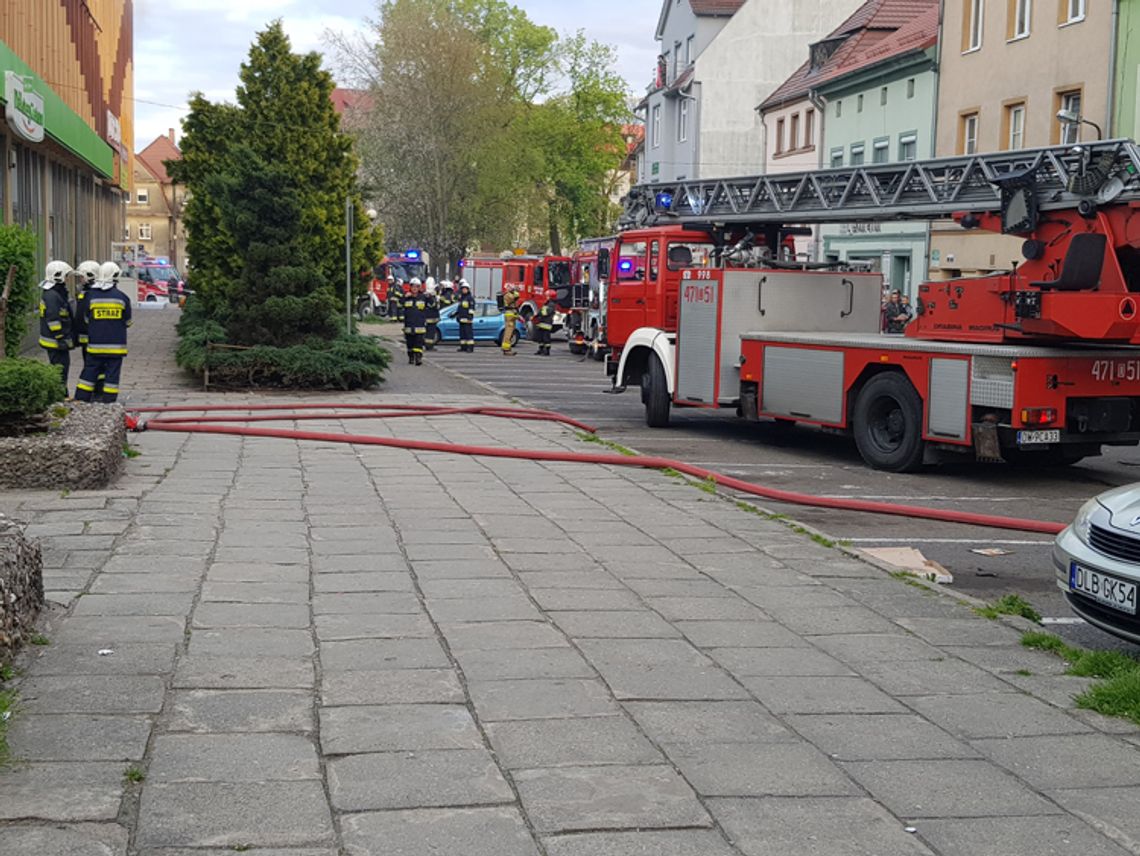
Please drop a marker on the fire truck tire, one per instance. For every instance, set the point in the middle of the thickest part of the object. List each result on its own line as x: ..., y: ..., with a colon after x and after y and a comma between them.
x: 597, y: 352
x: 364, y: 309
x: 888, y: 423
x: 655, y: 394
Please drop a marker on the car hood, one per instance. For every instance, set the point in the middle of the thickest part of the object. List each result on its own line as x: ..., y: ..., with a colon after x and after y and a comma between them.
x: 1123, y: 505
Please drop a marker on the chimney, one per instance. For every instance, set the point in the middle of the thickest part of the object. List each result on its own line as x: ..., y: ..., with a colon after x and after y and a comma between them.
x: 170, y: 133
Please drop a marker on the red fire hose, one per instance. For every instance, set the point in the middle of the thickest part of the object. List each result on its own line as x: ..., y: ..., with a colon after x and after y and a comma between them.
x: 288, y: 412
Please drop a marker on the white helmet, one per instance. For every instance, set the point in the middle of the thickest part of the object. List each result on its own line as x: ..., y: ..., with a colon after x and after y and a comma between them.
x: 464, y: 283
x: 430, y: 284
x: 108, y: 275
x: 89, y: 270
x: 55, y: 273
x: 415, y: 281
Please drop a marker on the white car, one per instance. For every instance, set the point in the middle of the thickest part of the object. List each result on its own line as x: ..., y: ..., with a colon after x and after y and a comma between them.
x: 1097, y: 560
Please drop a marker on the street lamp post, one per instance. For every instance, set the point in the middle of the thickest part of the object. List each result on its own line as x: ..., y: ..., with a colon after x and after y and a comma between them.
x: 1070, y: 117
x: 349, y: 225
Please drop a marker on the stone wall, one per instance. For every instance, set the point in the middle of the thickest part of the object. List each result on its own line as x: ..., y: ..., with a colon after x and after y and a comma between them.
x: 21, y: 587
x: 84, y: 451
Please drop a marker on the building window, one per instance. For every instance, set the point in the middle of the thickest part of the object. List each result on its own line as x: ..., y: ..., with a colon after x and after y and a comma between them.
x: 809, y: 129
x: 689, y: 43
x: 859, y: 103
x: 655, y: 126
x: 910, y: 88
x: 838, y: 108
x: 968, y: 128
x: 144, y: 232
x: 857, y: 150
x: 836, y: 158
x: 794, y: 132
x: 881, y: 150
x: 972, y: 25
x: 1072, y: 11
x: 676, y: 58
x: 1015, y: 126
x: 1019, y: 18
x: 779, y: 136
x: 883, y: 97
x: 1070, y: 132
x: 683, y: 120
x: 142, y: 197
x: 127, y: 232
x: 908, y: 146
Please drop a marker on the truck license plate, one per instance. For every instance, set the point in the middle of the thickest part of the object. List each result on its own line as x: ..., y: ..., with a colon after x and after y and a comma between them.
x: 1034, y: 438
x: 1110, y: 591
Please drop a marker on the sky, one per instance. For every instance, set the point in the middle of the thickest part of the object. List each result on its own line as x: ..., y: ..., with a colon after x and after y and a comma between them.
x: 182, y: 46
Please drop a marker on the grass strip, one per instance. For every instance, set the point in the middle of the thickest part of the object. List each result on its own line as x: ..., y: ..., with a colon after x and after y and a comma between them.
x: 1118, y: 691
x: 1010, y: 604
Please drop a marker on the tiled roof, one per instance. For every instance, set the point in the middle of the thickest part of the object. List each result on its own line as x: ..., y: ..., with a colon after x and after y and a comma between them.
x: 876, y: 31
x: 716, y: 7
x: 345, y: 100
x: 152, y: 157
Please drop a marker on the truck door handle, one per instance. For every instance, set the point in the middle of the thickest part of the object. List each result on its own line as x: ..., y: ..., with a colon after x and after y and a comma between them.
x: 615, y: 300
x: 850, y: 298
x: 760, y: 296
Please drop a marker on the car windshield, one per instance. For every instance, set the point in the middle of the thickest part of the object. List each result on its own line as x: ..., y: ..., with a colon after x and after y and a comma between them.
x: 164, y: 273
x: 407, y: 271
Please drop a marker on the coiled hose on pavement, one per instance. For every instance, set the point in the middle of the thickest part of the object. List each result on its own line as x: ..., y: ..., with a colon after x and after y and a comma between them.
x: 292, y: 412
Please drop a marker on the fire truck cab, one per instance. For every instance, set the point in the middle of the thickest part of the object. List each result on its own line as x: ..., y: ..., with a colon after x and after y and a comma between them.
x: 404, y: 266
x: 532, y: 276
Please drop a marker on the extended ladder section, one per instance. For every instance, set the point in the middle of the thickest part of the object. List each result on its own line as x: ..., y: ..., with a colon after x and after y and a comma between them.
x: 1016, y: 183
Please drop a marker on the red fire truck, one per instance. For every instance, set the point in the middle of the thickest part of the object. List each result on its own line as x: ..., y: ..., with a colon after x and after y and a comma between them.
x: 405, y: 265
x: 484, y: 274
x: 532, y: 276
x: 583, y: 302
x: 1038, y: 365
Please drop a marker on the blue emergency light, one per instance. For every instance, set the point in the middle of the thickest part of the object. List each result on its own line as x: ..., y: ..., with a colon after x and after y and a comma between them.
x: 664, y: 201
x: 412, y: 254
x: 625, y: 265
x: 463, y: 263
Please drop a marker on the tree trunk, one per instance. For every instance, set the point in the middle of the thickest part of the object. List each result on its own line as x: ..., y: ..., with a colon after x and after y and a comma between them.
x: 555, y: 235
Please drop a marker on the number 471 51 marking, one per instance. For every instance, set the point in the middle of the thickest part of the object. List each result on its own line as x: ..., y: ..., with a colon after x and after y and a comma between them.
x: 1116, y: 370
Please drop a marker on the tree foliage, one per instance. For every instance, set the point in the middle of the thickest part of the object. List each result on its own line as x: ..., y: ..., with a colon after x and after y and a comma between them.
x: 267, y: 180
x: 486, y: 128
x: 18, y: 247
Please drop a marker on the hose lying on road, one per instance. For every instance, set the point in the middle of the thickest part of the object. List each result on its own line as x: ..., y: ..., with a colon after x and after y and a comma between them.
x: 297, y: 412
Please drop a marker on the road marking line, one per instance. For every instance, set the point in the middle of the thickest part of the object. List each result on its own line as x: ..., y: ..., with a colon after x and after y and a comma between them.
x: 942, y: 541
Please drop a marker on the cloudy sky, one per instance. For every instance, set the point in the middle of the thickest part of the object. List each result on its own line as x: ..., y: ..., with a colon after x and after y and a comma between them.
x: 187, y: 45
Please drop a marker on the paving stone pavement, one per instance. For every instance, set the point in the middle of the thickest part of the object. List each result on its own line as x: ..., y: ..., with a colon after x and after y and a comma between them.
x: 309, y: 649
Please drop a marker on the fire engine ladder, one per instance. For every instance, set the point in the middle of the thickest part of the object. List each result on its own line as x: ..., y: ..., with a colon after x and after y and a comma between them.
x: 1015, y: 183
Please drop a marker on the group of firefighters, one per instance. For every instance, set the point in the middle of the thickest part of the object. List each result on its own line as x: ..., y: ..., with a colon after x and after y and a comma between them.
x: 96, y: 321
x: 418, y: 306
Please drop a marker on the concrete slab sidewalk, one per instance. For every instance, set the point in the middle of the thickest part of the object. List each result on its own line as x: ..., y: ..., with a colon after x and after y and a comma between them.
x: 312, y: 649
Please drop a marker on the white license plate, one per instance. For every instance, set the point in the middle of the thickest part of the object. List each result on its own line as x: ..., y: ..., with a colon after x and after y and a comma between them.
x: 1034, y: 438
x: 1102, y: 588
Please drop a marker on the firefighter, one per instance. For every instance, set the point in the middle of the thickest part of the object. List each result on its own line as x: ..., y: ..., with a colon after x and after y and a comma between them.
x: 56, y: 336
x: 88, y: 272
x: 431, y: 317
x: 415, y: 322
x: 544, y: 324
x: 510, y: 316
x: 401, y: 295
x: 465, y: 315
x: 393, y: 297
x: 107, y: 317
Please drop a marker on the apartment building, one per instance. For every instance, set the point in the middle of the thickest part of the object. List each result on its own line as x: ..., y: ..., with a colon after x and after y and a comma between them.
x: 154, y: 213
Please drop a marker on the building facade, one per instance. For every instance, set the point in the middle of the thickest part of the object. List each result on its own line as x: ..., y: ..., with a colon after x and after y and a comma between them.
x: 718, y: 59
x: 67, y: 96
x: 879, y: 106
x: 1006, y: 69
x: 154, y: 212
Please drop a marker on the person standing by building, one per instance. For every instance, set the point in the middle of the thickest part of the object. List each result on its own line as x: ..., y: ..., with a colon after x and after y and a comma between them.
x: 56, y: 333
x: 510, y: 316
x: 107, y: 317
x: 544, y: 324
x: 465, y: 315
x: 415, y: 322
x: 88, y: 272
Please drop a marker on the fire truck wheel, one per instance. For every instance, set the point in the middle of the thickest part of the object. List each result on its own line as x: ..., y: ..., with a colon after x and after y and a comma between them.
x: 363, y: 309
x: 655, y: 394
x: 888, y: 423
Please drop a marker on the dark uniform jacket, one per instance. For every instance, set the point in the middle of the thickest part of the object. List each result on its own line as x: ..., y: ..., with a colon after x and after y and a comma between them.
x: 80, y: 326
x: 55, y: 318
x: 432, y: 307
x: 545, y: 318
x: 415, y: 313
x: 107, y: 318
x: 465, y: 311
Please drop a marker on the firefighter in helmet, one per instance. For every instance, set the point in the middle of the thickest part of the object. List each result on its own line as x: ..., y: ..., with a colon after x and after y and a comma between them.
x: 56, y: 335
x: 393, y: 297
x: 431, y: 306
x: 415, y: 322
x: 107, y: 317
x: 88, y: 272
x: 510, y: 316
x: 544, y: 323
x: 465, y: 315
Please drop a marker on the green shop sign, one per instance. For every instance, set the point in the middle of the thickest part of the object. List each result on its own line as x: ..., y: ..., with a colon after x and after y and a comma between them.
x: 34, y: 111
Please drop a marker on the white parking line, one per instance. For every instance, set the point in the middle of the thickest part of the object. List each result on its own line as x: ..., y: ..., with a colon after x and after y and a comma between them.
x: 1068, y: 620
x: 1004, y: 542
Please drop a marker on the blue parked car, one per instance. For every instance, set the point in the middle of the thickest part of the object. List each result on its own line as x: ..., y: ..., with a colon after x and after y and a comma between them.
x: 488, y: 324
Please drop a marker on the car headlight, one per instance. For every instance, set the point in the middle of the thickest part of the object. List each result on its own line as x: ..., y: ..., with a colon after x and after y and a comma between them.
x: 1083, y: 522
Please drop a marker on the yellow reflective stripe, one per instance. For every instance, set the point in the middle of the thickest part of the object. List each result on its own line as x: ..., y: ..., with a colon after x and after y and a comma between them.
x: 85, y: 386
x: 53, y: 344
x: 111, y: 389
x: 83, y: 338
x: 108, y: 350
x: 55, y: 325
